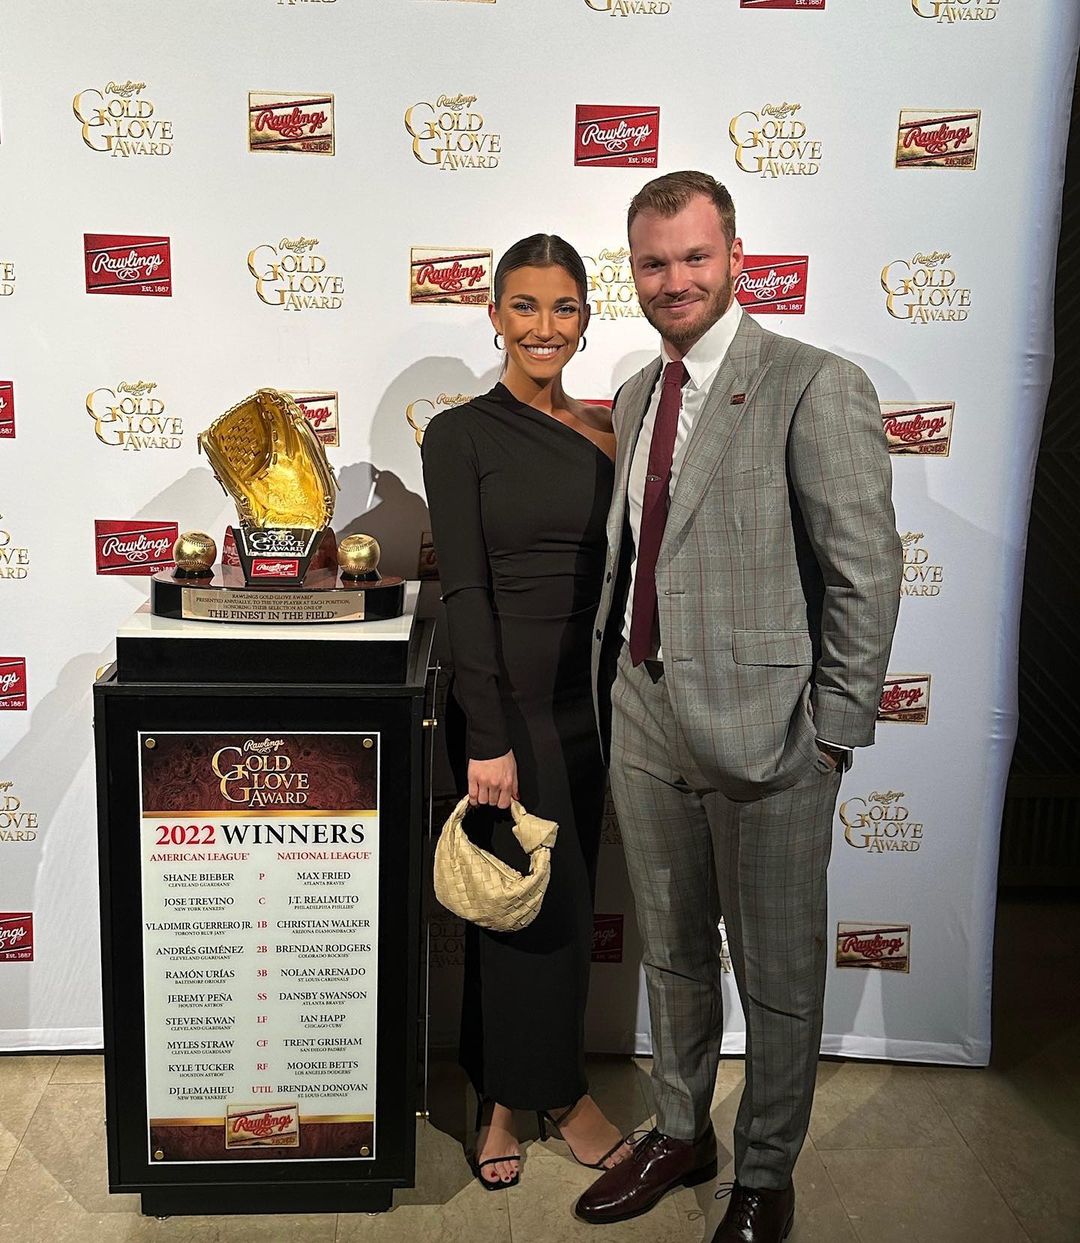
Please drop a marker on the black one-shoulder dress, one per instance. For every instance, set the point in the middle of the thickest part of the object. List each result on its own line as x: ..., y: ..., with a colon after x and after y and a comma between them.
x: 518, y: 506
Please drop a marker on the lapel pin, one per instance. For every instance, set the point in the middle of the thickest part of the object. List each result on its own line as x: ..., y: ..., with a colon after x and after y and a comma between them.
x: 738, y: 399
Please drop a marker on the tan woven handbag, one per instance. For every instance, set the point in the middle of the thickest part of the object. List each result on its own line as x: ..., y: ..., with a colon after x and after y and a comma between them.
x: 472, y: 883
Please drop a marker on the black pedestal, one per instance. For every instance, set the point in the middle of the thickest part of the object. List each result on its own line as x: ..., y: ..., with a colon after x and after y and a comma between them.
x: 136, y: 722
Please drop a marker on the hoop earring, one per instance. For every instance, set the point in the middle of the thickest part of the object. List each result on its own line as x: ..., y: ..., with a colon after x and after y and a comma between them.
x: 581, y: 345
x: 497, y: 345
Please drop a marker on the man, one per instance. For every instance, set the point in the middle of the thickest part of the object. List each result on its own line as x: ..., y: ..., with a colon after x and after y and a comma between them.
x: 741, y: 646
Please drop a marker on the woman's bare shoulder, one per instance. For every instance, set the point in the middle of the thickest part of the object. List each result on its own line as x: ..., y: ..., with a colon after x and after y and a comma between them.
x: 595, y: 416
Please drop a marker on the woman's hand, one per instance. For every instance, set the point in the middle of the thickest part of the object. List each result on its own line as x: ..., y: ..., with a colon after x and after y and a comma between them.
x: 493, y: 782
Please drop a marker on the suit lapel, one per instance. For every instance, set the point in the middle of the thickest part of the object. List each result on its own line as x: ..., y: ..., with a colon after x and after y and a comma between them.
x: 741, y: 372
x: 635, y: 401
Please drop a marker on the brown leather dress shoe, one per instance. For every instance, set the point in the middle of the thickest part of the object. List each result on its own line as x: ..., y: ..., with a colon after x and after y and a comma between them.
x: 656, y: 1165
x: 757, y: 1215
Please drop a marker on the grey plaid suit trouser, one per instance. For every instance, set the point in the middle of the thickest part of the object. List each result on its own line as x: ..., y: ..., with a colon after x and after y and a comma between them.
x: 692, y: 855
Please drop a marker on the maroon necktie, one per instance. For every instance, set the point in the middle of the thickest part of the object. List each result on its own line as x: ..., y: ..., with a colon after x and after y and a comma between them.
x: 644, y: 627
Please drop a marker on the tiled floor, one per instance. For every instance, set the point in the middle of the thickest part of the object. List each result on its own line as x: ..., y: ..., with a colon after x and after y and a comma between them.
x: 895, y: 1152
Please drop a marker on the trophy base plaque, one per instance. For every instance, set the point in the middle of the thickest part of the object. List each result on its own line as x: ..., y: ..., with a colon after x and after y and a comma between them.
x: 325, y: 596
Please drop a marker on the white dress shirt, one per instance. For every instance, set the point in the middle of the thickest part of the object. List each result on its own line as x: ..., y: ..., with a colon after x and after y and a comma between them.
x: 702, y: 362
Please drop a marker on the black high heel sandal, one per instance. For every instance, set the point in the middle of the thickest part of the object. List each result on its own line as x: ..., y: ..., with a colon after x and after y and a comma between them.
x: 478, y: 1166
x: 542, y: 1120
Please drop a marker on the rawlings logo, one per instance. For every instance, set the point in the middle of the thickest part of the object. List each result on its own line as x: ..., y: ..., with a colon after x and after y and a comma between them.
x: 17, y: 937
x: 937, y: 141
x: 284, y: 568
x: 290, y: 124
x: 137, y: 550
x: 264, y: 1124
x: 7, y: 409
x: 894, y: 697
x: 128, y: 546
x: 771, y: 285
x: 873, y: 947
x: 250, y: 1127
x: 616, y: 138
x: 127, y: 264
x: 455, y: 277
x: 12, y: 935
x: 452, y: 278
x: 129, y: 267
x: 905, y: 698
x: 912, y: 429
x: 886, y: 947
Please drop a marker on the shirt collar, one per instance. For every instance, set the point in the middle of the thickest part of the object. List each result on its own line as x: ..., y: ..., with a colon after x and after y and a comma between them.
x: 704, y: 357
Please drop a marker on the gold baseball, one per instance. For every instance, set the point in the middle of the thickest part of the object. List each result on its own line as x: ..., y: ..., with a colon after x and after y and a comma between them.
x: 358, y: 554
x: 194, y: 550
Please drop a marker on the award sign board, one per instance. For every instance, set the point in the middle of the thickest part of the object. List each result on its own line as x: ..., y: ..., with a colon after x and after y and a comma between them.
x: 260, y: 900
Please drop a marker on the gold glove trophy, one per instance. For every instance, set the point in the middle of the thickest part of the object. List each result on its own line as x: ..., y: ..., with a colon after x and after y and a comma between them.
x: 282, y: 561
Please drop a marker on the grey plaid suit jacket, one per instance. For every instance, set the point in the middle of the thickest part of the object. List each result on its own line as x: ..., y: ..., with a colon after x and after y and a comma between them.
x: 778, y: 579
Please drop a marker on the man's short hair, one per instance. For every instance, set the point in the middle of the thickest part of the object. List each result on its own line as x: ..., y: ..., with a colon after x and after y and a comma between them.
x: 669, y: 194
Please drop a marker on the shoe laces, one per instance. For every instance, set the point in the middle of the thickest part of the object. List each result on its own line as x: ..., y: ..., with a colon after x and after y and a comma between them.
x: 744, y: 1200
x: 639, y: 1141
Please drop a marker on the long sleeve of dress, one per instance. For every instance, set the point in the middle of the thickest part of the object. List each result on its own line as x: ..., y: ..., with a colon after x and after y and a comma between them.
x: 452, y: 482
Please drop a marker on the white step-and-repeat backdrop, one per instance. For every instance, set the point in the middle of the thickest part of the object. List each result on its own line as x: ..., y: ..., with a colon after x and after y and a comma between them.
x: 199, y: 199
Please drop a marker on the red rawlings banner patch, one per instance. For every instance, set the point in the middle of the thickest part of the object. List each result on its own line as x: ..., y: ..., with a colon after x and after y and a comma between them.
x: 12, y: 683
x: 616, y: 135
x: 773, y: 284
x: 16, y: 937
x: 128, y: 546
x: 125, y: 263
x: 7, y: 410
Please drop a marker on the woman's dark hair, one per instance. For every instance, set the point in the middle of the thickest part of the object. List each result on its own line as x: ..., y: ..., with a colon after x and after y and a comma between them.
x: 542, y: 250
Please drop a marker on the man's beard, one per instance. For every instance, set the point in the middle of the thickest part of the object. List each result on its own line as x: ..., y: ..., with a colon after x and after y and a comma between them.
x: 683, y: 335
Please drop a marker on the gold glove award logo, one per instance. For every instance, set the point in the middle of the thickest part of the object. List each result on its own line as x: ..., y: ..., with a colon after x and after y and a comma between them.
x: 927, y: 139
x: 460, y: 278
x: 631, y: 8
x: 880, y: 823
x: 611, y: 284
x: 293, y: 275
x: 119, y: 121
x: 451, y: 135
x: 14, y: 558
x: 7, y: 278
x: 905, y: 699
x: 320, y: 408
x: 924, y: 290
x: 921, y: 576
x: 131, y: 416
x: 279, y: 122
x: 17, y: 823
x: 881, y: 947
x: 918, y: 427
x: 951, y: 11
x: 419, y: 413
x: 774, y: 142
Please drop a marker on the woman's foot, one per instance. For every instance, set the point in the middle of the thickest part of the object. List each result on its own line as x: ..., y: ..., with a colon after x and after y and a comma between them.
x: 590, y: 1136
x: 495, y: 1138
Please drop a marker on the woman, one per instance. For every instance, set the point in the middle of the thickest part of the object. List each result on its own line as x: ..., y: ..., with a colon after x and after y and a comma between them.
x: 518, y: 484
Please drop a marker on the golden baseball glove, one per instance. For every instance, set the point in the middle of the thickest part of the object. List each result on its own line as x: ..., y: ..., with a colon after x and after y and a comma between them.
x: 267, y: 457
